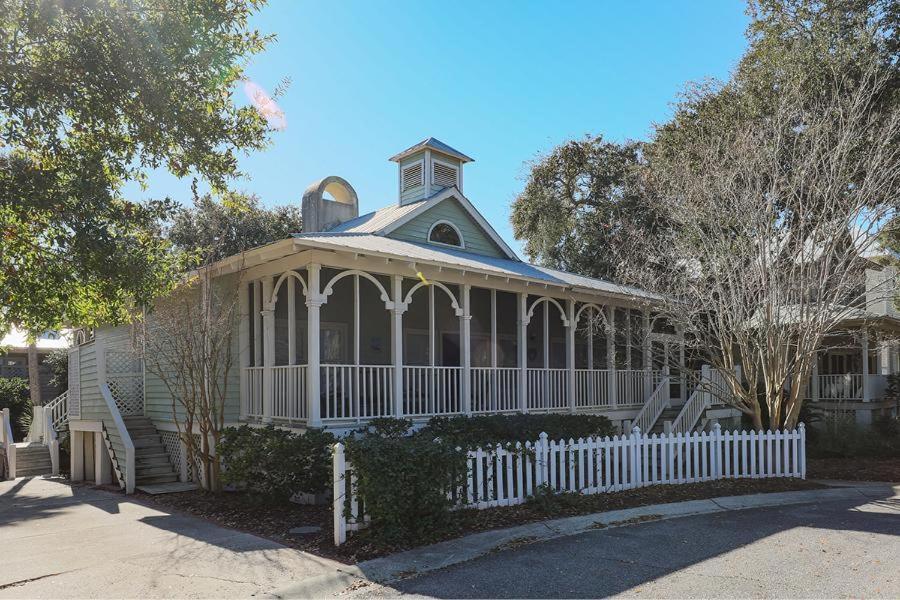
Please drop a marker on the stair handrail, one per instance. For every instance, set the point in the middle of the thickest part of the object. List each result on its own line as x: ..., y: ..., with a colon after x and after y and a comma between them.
x: 6, y: 436
x: 59, y: 408
x: 51, y: 440
x: 655, y: 404
x: 123, y: 434
x: 701, y: 399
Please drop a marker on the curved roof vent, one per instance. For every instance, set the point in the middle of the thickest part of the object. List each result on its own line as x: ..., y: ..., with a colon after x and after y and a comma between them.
x: 320, y: 213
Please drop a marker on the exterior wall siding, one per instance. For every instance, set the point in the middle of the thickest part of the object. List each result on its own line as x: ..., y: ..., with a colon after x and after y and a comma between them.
x: 475, y: 239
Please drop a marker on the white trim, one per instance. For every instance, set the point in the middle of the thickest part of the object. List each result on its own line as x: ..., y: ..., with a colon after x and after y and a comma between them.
x: 453, y: 192
x: 462, y: 240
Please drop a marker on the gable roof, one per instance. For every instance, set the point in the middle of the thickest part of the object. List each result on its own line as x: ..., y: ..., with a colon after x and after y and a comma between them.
x: 383, y: 221
x: 432, y: 144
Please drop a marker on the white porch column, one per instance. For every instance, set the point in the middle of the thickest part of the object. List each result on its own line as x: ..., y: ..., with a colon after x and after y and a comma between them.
x: 570, y: 353
x: 244, y: 346
x: 814, y: 379
x: 268, y: 318
x: 611, y: 355
x: 865, y: 366
x: 466, y: 347
x: 397, y: 342
x: 522, y: 349
x: 647, y: 355
x: 313, y: 373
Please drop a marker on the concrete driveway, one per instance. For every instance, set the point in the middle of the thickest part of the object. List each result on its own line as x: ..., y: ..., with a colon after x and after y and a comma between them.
x: 59, y: 541
x: 829, y: 549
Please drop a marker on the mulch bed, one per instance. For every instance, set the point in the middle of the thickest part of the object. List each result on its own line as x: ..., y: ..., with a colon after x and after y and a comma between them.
x: 273, y: 521
x: 854, y: 469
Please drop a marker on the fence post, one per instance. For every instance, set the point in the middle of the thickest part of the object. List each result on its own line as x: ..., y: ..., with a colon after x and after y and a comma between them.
x: 340, y: 489
x: 635, y: 456
x: 543, y: 466
x: 717, y: 445
x: 802, y: 442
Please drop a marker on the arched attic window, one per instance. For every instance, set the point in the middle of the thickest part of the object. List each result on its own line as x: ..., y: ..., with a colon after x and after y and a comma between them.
x: 445, y: 233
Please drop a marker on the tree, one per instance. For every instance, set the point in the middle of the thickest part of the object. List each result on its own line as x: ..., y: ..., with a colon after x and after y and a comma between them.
x: 187, y: 342
x: 575, y: 202
x: 770, y: 222
x: 94, y: 93
x: 214, y: 230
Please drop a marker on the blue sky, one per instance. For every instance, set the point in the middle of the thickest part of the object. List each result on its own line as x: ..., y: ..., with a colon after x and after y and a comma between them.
x: 499, y: 81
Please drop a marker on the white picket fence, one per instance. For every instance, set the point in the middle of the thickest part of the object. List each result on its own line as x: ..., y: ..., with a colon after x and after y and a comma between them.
x: 504, y: 476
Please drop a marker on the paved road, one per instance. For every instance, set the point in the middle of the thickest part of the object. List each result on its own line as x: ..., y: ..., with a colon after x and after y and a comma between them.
x: 58, y: 541
x: 832, y: 549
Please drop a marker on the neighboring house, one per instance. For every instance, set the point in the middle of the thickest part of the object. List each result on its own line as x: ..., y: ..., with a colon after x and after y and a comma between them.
x: 415, y: 310
x: 850, y: 373
x: 14, y: 357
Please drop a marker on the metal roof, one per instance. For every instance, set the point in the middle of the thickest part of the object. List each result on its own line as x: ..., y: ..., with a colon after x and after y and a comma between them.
x: 460, y: 259
x: 433, y: 144
x: 376, y: 221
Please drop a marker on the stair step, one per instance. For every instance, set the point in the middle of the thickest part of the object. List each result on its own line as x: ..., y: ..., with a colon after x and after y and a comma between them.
x: 149, y: 443
x: 144, y: 470
x: 149, y: 452
x: 171, y: 478
x: 31, y: 472
x: 156, y: 462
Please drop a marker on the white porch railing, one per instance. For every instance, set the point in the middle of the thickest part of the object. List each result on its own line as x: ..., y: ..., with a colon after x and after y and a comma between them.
x: 591, y: 389
x: 495, y: 390
x: 360, y: 392
x: 289, y: 392
x: 252, y: 398
x: 504, y: 476
x: 432, y: 391
x: 837, y: 388
x: 547, y: 390
x: 634, y: 386
x: 355, y: 391
x: 708, y: 392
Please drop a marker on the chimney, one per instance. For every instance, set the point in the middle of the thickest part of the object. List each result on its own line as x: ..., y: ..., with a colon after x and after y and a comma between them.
x: 320, y: 213
x: 427, y: 168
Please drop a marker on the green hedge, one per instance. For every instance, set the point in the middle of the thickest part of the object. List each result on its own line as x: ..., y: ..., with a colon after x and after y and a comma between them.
x: 275, y: 463
x: 406, y: 483
x: 470, y: 432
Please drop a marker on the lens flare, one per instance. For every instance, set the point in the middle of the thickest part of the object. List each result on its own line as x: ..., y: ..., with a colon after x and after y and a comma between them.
x: 265, y: 106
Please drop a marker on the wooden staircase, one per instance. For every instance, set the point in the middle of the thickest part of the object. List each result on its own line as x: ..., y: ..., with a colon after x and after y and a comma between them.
x: 32, y: 460
x: 151, y: 461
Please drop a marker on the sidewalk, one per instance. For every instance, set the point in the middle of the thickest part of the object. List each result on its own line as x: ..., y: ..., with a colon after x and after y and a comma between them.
x: 64, y: 541
x: 439, y: 556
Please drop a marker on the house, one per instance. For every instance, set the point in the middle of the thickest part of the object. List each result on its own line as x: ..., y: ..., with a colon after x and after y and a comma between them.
x: 14, y: 357
x: 850, y: 373
x: 416, y: 310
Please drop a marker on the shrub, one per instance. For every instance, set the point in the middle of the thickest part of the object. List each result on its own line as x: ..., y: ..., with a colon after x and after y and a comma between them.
x: 470, y: 432
x: 406, y: 483
x: 387, y: 427
x: 841, y: 437
x: 275, y: 463
x: 14, y: 396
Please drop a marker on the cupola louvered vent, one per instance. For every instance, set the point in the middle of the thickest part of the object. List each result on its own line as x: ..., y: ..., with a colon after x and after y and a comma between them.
x: 444, y: 175
x: 413, y: 176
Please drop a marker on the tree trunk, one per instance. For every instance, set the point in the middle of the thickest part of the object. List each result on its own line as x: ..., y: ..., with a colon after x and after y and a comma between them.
x: 34, y: 375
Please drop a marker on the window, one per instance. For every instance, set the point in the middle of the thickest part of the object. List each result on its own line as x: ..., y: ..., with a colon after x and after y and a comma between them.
x: 444, y: 232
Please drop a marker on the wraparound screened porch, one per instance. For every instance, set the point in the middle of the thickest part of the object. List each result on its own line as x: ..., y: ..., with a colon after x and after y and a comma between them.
x: 392, y: 344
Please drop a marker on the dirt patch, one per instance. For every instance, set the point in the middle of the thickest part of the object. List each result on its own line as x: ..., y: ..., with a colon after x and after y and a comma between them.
x: 274, y: 521
x: 854, y: 469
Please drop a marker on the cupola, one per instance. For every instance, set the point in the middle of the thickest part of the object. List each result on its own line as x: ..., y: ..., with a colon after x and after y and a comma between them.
x: 427, y: 168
